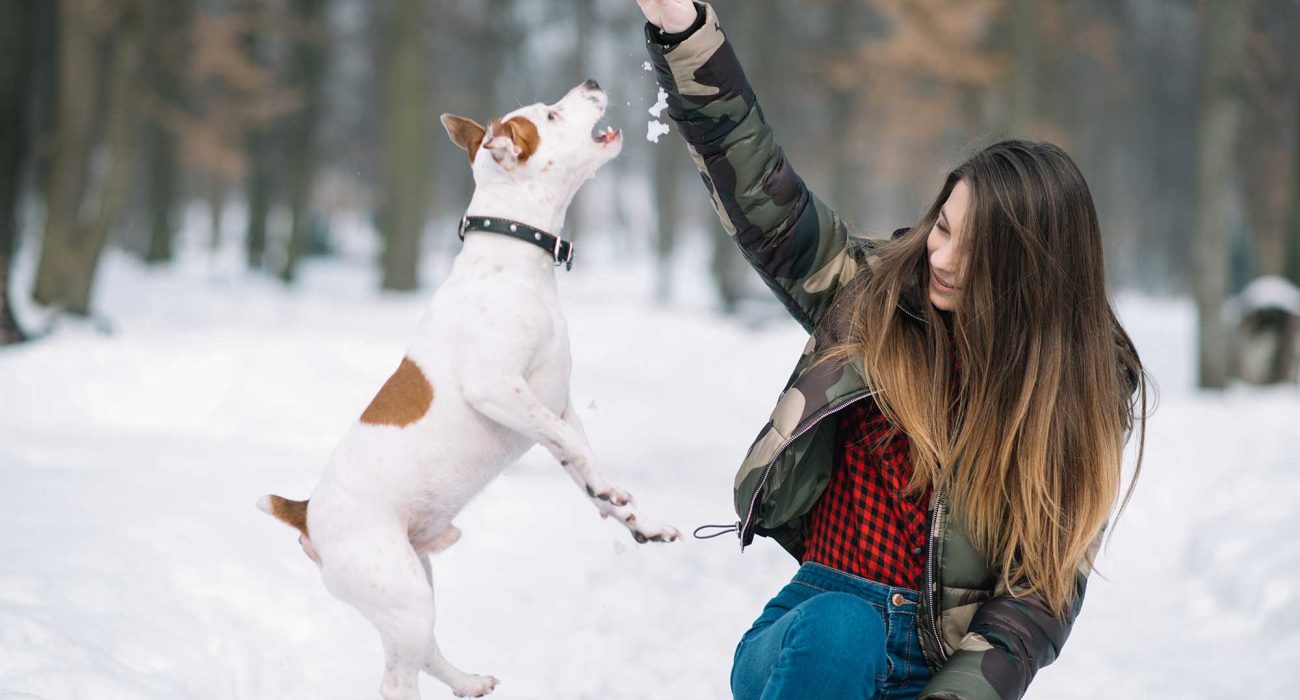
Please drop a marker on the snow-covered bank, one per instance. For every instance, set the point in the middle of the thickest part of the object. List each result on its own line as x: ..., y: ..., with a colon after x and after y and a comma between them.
x: 133, y: 564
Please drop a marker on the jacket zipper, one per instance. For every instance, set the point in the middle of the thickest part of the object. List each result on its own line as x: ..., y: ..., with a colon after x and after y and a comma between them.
x: 749, y: 516
x: 929, y: 575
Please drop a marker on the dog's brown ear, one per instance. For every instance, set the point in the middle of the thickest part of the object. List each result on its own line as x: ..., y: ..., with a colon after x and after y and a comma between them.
x: 512, y: 142
x: 524, y: 133
x: 464, y: 132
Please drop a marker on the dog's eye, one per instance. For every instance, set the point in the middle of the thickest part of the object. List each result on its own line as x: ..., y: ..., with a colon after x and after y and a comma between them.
x: 550, y: 116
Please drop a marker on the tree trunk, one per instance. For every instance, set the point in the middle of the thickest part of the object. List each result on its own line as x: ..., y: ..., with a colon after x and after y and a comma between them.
x: 308, y: 76
x: 71, y: 248
x: 575, y: 220
x: 847, y: 174
x: 216, y: 210
x: 1223, y: 35
x: 15, y: 33
x: 669, y: 161
x: 166, y: 27
x: 406, y: 141
x: 74, y: 122
x: 1293, y: 232
x: 122, y: 129
x: 259, y: 198
x: 1024, y: 68
x: 161, y: 198
x: 261, y: 178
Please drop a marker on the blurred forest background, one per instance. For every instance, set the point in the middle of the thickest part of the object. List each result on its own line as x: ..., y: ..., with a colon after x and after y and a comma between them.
x: 283, y: 126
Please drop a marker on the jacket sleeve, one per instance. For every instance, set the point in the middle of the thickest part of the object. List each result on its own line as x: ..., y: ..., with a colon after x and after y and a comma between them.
x: 1008, y: 640
x: 795, y: 242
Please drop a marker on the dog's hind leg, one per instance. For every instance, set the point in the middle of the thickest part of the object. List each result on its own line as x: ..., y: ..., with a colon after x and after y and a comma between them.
x: 390, y: 586
x: 462, y: 684
x: 442, y: 541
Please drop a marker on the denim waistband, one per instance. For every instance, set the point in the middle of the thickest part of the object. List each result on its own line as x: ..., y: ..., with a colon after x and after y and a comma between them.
x: 825, y: 578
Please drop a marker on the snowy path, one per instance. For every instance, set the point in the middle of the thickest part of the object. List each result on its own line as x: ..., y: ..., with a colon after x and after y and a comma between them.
x: 133, y: 564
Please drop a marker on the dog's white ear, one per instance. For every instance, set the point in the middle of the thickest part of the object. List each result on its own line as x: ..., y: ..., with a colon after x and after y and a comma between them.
x: 464, y: 132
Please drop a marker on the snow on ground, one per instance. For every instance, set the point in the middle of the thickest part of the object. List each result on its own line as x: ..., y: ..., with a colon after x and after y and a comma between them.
x: 134, y: 565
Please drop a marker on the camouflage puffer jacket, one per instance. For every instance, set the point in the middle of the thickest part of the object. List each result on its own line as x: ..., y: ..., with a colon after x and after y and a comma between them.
x: 982, y: 642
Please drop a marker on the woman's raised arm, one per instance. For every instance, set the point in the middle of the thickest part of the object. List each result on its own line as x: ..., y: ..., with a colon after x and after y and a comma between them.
x: 798, y: 245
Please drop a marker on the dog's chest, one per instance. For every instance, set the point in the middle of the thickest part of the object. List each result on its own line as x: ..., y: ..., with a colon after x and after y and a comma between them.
x: 549, y: 373
x: 498, y: 315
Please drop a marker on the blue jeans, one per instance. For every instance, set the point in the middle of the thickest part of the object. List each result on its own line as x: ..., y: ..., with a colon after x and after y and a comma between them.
x: 830, y: 635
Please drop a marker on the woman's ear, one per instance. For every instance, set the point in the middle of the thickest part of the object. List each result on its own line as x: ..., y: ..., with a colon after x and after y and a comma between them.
x: 464, y: 132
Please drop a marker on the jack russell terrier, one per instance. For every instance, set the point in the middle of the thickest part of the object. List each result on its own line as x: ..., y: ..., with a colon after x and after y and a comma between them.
x: 484, y: 379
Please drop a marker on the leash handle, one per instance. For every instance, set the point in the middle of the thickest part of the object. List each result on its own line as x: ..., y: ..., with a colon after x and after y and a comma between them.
x: 721, y: 530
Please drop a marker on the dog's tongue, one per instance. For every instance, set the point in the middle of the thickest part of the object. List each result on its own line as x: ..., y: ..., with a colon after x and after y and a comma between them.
x: 606, y: 135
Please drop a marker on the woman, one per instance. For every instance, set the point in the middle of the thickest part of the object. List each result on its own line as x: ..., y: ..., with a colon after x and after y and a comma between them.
x: 946, y: 455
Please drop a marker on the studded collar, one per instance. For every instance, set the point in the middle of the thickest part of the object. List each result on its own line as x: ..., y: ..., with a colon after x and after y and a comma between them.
x: 561, y: 250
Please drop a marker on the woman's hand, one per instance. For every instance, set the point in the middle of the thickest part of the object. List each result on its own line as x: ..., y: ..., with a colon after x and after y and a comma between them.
x: 672, y: 16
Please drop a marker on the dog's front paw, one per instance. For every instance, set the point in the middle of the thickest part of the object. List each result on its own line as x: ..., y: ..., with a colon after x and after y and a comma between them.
x: 663, y: 533
x: 610, y: 494
x: 474, y: 686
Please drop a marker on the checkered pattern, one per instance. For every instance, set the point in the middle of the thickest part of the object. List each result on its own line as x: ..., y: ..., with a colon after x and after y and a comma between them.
x: 862, y: 524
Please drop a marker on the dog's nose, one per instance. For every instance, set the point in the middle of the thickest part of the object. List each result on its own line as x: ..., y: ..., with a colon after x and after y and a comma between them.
x: 591, y: 84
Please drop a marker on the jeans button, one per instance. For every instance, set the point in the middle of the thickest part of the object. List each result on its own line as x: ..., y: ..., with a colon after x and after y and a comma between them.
x: 897, y: 599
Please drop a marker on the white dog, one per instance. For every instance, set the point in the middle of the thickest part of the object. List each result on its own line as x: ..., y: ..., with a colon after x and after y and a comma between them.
x: 485, y: 378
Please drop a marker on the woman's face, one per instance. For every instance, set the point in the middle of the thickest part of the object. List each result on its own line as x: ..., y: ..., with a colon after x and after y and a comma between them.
x: 947, y: 268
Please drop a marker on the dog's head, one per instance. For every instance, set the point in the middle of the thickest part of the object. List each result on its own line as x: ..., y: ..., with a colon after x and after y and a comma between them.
x: 557, y: 142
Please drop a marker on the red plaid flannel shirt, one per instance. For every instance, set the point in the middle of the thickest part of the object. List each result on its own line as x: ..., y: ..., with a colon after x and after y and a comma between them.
x: 862, y: 524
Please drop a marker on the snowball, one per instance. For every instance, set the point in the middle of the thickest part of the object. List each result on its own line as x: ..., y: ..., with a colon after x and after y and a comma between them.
x: 656, y: 129
x: 660, y: 105
x: 645, y: 65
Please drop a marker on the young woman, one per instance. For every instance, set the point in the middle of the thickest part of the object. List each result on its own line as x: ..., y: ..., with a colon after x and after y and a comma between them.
x: 947, y: 453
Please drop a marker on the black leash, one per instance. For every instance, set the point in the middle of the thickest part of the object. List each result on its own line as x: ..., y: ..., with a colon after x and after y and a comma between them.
x: 561, y: 250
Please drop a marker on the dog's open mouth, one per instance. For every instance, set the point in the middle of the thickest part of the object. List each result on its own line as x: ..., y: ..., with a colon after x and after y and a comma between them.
x: 607, y: 135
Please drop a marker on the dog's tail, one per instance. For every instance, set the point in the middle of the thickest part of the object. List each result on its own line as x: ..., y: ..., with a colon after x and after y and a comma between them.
x: 289, y: 512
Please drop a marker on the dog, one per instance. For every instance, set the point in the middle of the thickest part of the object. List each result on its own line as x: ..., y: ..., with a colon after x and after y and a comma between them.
x: 484, y: 379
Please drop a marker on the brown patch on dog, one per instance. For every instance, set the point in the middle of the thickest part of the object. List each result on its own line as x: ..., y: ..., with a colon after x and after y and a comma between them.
x: 522, y: 131
x: 293, y: 513
x: 403, y: 399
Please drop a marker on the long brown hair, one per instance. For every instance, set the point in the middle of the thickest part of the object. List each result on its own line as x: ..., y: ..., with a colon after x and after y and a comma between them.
x: 1029, y: 439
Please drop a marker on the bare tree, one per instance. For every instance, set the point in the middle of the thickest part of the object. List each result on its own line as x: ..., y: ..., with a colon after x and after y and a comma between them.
x: 1293, y: 237
x: 72, y: 245
x: 406, y: 140
x: 15, y: 33
x: 260, y: 144
x: 308, y: 73
x: 1268, y: 71
x: 670, y: 163
x: 848, y: 158
x: 1024, y: 67
x: 167, y: 27
x: 1224, y: 40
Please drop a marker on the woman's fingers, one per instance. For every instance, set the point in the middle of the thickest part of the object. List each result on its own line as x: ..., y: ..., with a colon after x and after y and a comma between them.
x: 672, y: 16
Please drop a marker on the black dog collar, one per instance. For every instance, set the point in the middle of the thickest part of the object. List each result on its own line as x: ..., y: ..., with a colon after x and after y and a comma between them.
x: 561, y: 251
